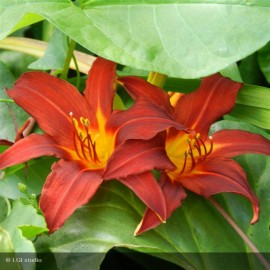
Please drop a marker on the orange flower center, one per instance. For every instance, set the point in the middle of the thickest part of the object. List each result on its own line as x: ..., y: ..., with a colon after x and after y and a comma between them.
x: 185, y: 151
x: 91, y: 146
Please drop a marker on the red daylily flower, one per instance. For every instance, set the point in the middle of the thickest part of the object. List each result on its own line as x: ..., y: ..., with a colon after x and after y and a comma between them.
x: 94, y: 143
x: 203, y: 163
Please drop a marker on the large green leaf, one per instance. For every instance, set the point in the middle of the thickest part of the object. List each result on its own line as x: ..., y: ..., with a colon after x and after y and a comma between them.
x: 8, y: 111
x: 195, y: 237
x: 264, y: 61
x: 32, y: 175
x: 52, y: 60
x: 253, y: 106
x: 181, y: 38
x: 14, y: 232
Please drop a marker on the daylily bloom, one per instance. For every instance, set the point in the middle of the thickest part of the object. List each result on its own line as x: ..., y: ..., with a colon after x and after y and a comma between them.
x: 203, y: 163
x: 93, y: 141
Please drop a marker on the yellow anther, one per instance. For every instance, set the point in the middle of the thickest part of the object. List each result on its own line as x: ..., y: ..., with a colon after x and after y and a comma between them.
x: 198, y: 136
x: 84, y: 121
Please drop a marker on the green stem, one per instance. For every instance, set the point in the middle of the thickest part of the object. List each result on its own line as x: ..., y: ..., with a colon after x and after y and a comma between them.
x: 37, y: 49
x: 253, y: 248
x: 8, y: 205
x: 157, y: 79
x: 65, y: 70
x: 6, y: 100
x: 78, y: 82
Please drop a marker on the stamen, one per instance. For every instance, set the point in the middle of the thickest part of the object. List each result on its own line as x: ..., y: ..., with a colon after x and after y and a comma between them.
x: 185, y: 163
x: 195, y: 141
x: 85, y: 147
x: 190, y: 152
x: 75, y: 134
x: 204, y: 148
x: 198, y: 146
x: 211, y: 145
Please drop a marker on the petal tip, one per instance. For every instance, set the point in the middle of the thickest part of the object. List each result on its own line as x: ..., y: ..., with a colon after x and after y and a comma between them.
x: 256, y: 211
x: 138, y: 228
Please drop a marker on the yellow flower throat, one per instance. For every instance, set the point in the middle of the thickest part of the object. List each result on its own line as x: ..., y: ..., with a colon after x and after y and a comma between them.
x: 88, y: 143
x: 186, y: 150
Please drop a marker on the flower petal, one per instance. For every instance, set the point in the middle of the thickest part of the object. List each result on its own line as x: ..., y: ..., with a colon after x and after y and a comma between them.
x: 220, y: 175
x: 50, y: 100
x: 214, y: 98
x: 32, y: 146
x: 145, y: 186
x: 230, y: 143
x: 137, y: 156
x: 142, y: 121
x: 139, y: 88
x: 68, y: 187
x: 99, y: 90
x: 173, y: 193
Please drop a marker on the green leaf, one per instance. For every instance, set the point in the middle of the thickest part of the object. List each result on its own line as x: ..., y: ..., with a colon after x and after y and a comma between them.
x: 253, y: 105
x: 51, y: 59
x: 195, y: 237
x: 7, y: 126
x: 4, y: 209
x: 5, y: 243
x: 22, y: 21
x: 33, y: 176
x: 254, y: 115
x: 264, y: 61
x: 15, y: 229
x: 171, y: 37
x: 232, y: 124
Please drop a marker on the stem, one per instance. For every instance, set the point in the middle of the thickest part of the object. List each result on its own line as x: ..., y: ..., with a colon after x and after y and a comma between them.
x: 253, y: 248
x: 157, y: 79
x: 8, y: 205
x: 6, y: 100
x: 65, y: 70
x: 78, y: 76
x: 37, y: 49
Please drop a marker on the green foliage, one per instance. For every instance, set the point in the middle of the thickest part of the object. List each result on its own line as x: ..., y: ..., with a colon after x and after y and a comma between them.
x: 195, y: 237
x: 180, y: 38
x: 171, y: 37
x: 52, y: 60
x: 16, y: 230
x: 264, y: 61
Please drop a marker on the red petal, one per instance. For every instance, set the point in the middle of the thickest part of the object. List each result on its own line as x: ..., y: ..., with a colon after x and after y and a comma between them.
x: 214, y: 98
x: 68, y: 187
x: 99, y: 90
x: 220, y: 175
x: 137, y: 156
x: 230, y: 143
x: 142, y: 121
x: 145, y: 186
x: 32, y: 146
x: 50, y: 100
x: 173, y: 193
x: 139, y: 88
